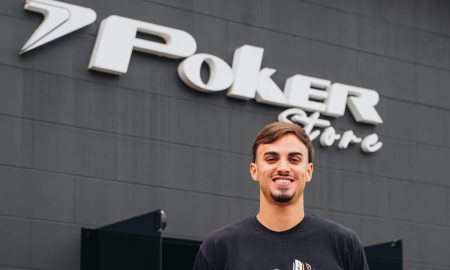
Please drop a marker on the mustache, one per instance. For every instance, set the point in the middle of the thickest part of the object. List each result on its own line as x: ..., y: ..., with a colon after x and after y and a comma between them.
x: 284, y: 176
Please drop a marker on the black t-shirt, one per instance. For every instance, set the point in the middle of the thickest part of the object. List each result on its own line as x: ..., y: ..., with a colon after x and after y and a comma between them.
x: 315, y: 243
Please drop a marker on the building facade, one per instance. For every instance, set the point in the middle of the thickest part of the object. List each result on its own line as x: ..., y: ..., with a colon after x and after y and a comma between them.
x: 83, y: 148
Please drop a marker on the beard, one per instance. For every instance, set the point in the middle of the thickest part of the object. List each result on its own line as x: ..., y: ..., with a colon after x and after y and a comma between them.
x: 283, y: 196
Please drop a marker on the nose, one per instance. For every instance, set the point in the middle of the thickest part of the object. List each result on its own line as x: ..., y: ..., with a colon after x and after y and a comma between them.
x: 283, y: 167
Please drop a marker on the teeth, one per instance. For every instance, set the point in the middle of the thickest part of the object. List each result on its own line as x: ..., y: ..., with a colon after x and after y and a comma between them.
x: 282, y: 181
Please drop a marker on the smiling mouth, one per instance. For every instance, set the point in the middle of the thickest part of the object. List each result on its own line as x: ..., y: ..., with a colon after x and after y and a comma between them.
x: 283, y: 180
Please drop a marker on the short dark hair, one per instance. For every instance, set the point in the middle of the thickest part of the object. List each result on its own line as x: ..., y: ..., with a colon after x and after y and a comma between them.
x: 276, y: 130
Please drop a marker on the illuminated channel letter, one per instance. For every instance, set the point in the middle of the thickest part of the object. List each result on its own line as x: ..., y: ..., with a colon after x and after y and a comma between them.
x: 117, y: 39
x: 59, y: 19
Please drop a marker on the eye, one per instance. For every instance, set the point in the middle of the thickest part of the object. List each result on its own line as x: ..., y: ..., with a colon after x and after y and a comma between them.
x: 295, y: 159
x: 271, y: 159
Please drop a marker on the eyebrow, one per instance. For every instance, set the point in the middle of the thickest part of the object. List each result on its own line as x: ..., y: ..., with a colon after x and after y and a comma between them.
x: 273, y: 153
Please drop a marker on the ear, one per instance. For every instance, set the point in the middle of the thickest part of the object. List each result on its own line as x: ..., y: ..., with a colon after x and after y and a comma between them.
x: 254, y: 172
x: 309, y: 172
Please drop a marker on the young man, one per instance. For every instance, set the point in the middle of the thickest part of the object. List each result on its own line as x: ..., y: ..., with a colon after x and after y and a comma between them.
x: 282, y: 236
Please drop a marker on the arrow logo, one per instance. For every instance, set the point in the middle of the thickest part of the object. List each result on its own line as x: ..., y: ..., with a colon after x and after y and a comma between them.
x: 59, y: 19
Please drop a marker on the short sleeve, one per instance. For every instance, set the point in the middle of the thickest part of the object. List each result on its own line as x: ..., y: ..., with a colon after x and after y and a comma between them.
x: 357, y: 257
x: 201, y: 263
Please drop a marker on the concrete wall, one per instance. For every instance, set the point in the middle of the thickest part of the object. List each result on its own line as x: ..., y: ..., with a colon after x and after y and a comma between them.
x: 84, y: 149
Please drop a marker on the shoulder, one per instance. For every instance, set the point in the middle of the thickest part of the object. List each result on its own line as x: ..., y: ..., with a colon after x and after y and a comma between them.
x: 216, y: 247
x: 333, y: 230
x: 342, y: 240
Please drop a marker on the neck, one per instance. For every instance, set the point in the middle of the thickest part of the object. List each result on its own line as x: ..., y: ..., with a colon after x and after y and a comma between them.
x: 280, y: 216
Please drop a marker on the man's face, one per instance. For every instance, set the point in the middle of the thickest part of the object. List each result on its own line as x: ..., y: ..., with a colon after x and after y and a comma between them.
x: 282, y: 169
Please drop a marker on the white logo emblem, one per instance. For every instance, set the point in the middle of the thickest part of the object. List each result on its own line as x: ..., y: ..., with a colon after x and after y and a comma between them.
x: 59, y: 19
x: 298, y: 265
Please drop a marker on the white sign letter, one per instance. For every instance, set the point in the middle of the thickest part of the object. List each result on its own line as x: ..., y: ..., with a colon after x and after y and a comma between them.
x: 220, y: 73
x: 267, y: 91
x: 116, y: 41
x: 246, y: 65
x: 347, y: 138
x: 361, y: 103
x: 371, y: 144
x: 329, y: 136
x: 299, y: 89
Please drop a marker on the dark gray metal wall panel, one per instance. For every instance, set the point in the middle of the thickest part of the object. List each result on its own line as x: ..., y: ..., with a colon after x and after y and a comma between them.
x: 425, y: 15
x: 102, y: 202
x: 328, y: 62
x: 242, y: 136
x: 195, y: 220
x: 414, y: 122
x: 7, y: 268
x: 15, y: 141
x: 215, y: 172
x: 375, y: 35
x: 389, y: 77
x: 208, y: 31
x: 62, y: 100
x: 433, y: 164
x: 401, y: 43
x: 393, y: 11
x: 432, y: 50
x: 447, y: 130
x: 50, y: 100
x: 344, y: 29
x: 280, y: 50
x: 382, y: 163
x: 29, y: 193
x: 377, y: 196
x: 432, y: 86
x: 343, y: 5
x: 175, y: 120
x: 448, y: 202
x: 433, y: 15
x: 11, y: 97
x: 248, y: 12
x: 336, y: 190
x: 74, y: 151
x: 300, y: 18
x: 418, y: 202
x: 96, y: 106
x: 164, y: 83
x: 12, y: 7
x: 55, y: 246
x: 183, y: 167
x: 155, y: 163
x: 15, y: 243
x: 418, y: 266
x: 428, y: 15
